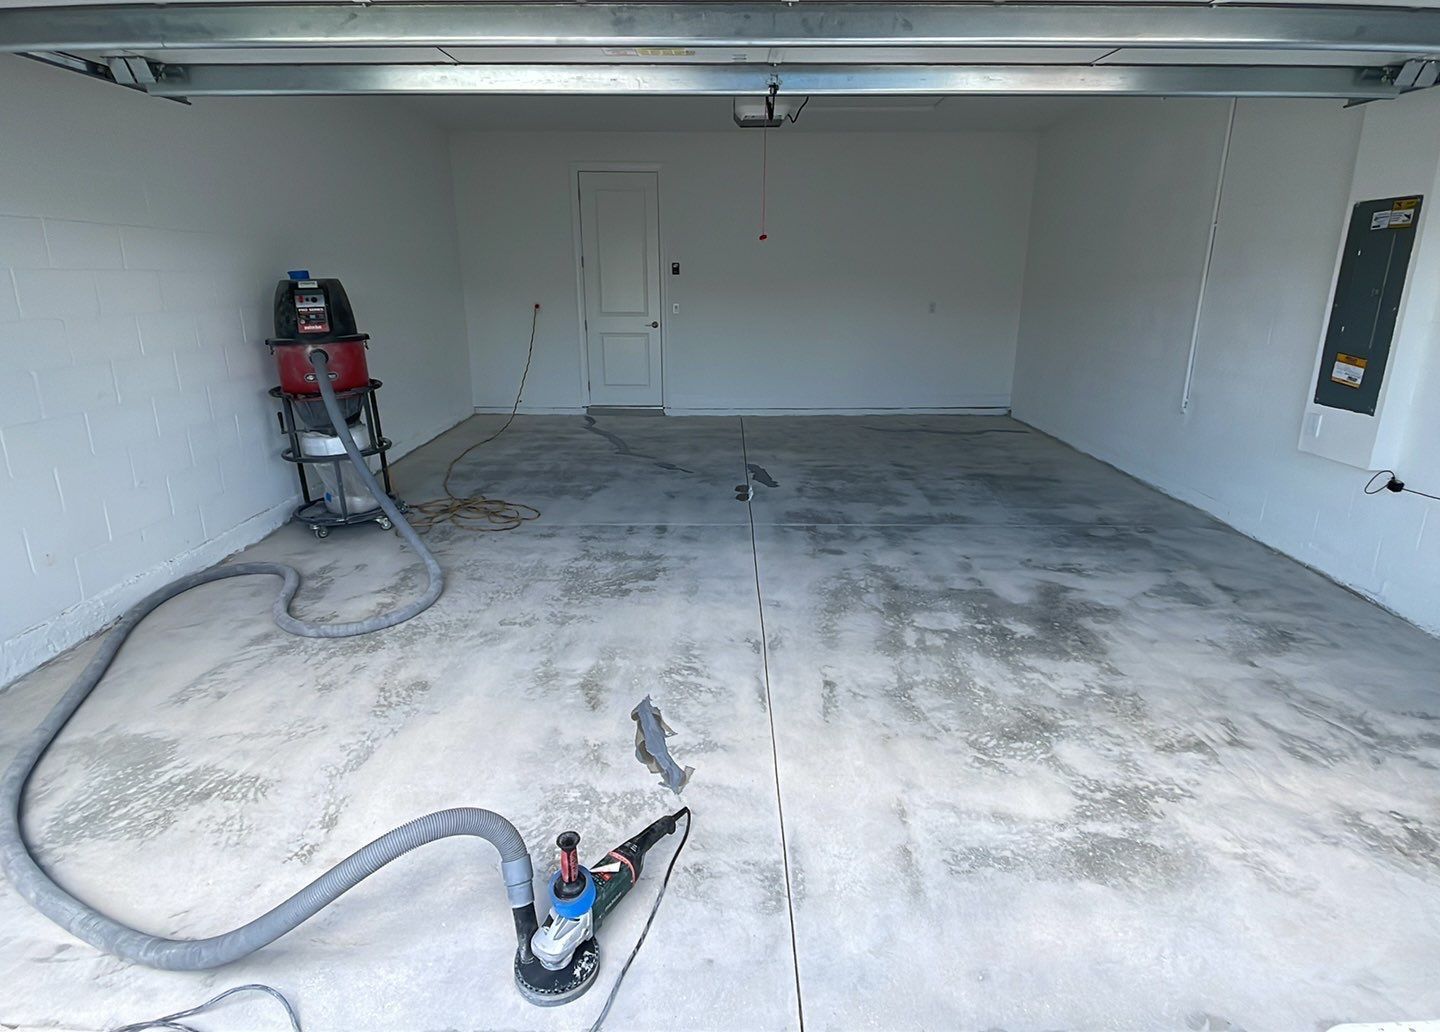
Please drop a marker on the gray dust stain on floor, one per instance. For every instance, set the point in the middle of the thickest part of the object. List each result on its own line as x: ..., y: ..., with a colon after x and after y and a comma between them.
x: 1053, y: 750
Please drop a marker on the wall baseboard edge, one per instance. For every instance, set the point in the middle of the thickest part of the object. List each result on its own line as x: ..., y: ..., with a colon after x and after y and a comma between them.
x: 963, y: 410
x: 1222, y: 515
x: 38, y: 645
x: 761, y: 410
x: 531, y: 410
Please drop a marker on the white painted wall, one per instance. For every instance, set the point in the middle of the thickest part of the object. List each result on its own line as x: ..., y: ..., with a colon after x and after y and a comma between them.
x: 831, y: 313
x: 1123, y: 201
x: 139, y: 243
x: 139, y: 240
x: 1398, y: 154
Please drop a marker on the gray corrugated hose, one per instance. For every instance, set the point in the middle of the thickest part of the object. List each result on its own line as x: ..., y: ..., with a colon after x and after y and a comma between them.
x: 104, y: 933
x: 435, y: 577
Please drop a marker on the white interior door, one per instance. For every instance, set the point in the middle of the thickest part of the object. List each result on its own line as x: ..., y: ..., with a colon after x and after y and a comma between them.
x: 620, y: 258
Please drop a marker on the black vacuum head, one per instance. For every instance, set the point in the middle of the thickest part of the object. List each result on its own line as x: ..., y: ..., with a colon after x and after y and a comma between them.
x: 547, y: 988
x: 315, y: 311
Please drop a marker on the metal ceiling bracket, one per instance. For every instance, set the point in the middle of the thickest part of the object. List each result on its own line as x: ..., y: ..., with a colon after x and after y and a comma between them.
x: 131, y: 71
x: 207, y: 80
x: 120, y: 71
x: 1408, y: 74
x: 107, y: 28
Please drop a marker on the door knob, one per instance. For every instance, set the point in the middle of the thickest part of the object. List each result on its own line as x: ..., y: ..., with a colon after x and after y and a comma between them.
x: 655, y: 325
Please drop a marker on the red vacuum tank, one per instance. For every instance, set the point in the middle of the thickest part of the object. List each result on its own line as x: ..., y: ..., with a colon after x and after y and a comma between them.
x: 313, y: 314
x: 347, y: 364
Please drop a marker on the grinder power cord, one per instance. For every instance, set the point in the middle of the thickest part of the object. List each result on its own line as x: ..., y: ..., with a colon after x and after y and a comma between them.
x: 477, y: 511
x: 554, y: 980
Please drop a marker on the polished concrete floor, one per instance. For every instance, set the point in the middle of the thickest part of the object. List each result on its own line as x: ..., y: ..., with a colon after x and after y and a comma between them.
x: 985, y: 735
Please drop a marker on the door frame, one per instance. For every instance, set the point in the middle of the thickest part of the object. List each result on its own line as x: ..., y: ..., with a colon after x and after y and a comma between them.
x: 577, y: 167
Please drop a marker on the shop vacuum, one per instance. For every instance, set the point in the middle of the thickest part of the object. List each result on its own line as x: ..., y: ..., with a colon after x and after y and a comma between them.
x: 310, y: 315
x: 327, y: 390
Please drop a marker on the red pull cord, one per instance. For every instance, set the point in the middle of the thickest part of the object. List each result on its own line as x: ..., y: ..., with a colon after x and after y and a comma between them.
x: 764, y: 172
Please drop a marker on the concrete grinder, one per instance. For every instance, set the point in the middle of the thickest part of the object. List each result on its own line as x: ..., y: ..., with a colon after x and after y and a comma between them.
x: 560, y: 960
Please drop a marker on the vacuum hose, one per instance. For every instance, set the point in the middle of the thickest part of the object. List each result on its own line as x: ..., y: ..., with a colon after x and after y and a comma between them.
x: 105, y: 933
x: 434, y: 576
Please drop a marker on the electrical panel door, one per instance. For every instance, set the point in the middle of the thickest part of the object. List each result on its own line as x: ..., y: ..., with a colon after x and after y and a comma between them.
x: 1367, y: 303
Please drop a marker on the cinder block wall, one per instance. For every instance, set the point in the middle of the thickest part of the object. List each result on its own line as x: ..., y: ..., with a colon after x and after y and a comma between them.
x: 139, y: 240
x: 115, y: 416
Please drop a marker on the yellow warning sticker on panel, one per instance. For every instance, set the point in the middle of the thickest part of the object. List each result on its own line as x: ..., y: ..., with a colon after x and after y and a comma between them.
x: 1402, y: 212
x: 1400, y: 215
x: 1348, y: 370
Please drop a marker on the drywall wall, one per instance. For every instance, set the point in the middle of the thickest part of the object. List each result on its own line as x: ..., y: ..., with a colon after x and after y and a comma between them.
x: 832, y: 312
x: 139, y: 243
x: 1124, y: 197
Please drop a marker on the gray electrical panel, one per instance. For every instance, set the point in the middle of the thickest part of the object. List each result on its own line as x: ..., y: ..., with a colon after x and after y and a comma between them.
x: 1367, y: 303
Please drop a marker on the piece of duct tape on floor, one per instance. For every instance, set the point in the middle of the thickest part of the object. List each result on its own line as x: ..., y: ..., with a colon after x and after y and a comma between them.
x: 651, y: 748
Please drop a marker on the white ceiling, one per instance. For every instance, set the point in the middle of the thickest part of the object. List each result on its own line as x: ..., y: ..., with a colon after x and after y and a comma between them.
x: 713, y: 114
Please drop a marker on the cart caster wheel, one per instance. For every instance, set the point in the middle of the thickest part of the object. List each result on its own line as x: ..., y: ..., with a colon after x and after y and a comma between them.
x: 321, y: 532
x: 385, y: 523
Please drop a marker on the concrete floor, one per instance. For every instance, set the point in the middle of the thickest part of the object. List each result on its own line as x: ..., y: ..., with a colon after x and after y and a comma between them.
x: 1048, y: 750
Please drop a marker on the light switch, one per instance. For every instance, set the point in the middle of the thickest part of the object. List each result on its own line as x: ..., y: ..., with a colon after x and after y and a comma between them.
x: 675, y: 308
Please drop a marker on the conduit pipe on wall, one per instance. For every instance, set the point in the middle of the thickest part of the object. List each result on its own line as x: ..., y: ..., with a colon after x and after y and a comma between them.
x: 1209, y: 257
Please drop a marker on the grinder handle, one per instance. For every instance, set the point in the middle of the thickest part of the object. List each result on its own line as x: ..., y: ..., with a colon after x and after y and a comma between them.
x: 611, y: 887
x: 642, y: 842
